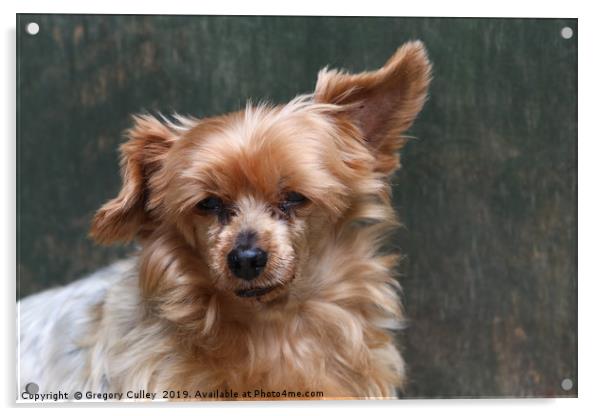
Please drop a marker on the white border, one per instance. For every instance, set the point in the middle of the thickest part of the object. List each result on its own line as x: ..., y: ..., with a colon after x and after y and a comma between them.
x: 425, y: 8
x: 590, y: 190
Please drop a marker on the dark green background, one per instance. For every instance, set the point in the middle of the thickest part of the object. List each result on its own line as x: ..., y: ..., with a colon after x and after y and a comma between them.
x: 487, y: 193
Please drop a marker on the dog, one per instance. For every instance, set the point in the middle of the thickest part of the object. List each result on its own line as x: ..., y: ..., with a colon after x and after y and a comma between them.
x: 261, y: 264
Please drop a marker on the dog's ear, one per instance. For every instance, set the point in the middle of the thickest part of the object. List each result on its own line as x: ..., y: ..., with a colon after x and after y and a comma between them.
x: 384, y: 103
x: 121, y: 218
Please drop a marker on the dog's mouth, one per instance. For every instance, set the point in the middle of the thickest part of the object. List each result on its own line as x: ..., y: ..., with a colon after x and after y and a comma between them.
x: 256, y: 291
x: 265, y: 293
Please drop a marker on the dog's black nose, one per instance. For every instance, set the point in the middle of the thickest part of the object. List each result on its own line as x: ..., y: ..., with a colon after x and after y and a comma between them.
x: 247, y: 262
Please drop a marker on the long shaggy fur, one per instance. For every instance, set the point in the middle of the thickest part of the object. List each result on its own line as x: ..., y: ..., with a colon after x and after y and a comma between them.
x: 170, y: 319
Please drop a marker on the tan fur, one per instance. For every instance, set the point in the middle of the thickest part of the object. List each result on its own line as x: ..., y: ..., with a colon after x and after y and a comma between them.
x: 178, y: 323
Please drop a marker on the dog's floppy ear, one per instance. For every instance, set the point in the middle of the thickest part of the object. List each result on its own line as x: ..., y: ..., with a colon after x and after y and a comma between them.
x: 121, y: 218
x: 382, y: 104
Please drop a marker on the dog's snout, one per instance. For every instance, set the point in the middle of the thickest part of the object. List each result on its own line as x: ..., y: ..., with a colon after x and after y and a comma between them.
x: 247, y: 262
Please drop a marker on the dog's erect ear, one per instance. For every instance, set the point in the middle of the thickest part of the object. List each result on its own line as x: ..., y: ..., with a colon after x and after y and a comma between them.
x: 383, y: 103
x: 121, y: 218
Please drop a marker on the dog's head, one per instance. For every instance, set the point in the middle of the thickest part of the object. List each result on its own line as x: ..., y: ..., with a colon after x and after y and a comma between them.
x: 254, y: 194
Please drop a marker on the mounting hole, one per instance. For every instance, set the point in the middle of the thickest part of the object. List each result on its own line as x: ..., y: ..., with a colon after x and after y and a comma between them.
x: 32, y: 388
x: 566, y: 384
x: 32, y: 28
x: 566, y: 32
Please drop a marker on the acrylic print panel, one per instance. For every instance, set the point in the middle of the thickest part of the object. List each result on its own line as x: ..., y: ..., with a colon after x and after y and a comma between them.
x: 253, y: 226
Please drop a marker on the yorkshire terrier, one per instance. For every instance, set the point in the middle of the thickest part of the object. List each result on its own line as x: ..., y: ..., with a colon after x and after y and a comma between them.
x: 261, y: 265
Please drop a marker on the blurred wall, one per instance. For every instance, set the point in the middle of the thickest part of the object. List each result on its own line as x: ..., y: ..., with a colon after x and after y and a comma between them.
x: 487, y: 193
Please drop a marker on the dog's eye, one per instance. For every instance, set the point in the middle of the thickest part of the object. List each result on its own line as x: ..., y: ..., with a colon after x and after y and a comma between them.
x: 211, y: 203
x: 292, y: 200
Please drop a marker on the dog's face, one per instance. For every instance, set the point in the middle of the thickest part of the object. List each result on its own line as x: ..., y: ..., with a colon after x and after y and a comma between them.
x: 254, y: 193
x: 247, y: 190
